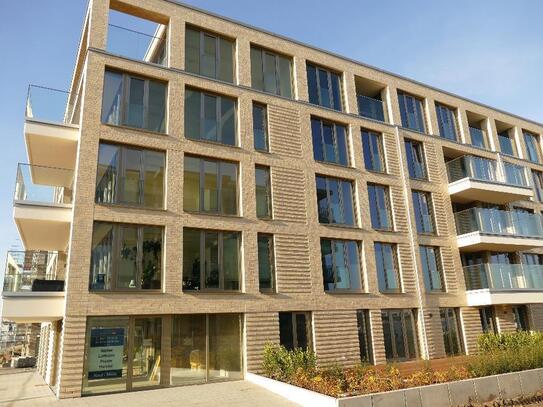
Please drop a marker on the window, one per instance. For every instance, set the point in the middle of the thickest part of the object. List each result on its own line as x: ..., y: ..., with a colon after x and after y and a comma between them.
x: 329, y: 142
x: 451, y: 331
x: 532, y: 147
x: 126, y: 257
x: 324, y: 87
x: 340, y: 265
x: 431, y: 267
x: 387, y: 267
x: 134, y: 102
x: 128, y: 175
x: 422, y: 205
x: 263, y: 192
x: 260, y: 127
x: 399, y: 334
x: 209, y: 55
x: 271, y: 72
x: 506, y: 144
x: 210, y: 186
x: 446, y: 118
x: 211, y: 260
x: 412, y: 112
x: 364, y: 335
x: 210, y: 117
x: 335, y: 201
x: 415, y: 159
x: 266, y: 263
x: 488, y: 320
x: 372, y: 148
x: 478, y: 137
x: 520, y: 314
x: 380, y: 213
x: 295, y: 330
x: 537, y: 177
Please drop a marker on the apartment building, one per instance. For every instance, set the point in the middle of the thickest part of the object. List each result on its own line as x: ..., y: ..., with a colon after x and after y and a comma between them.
x: 325, y: 204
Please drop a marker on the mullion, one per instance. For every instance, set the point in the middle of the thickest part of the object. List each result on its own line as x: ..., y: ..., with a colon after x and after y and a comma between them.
x: 220, y: 258
x: 336, y: 146
x: 139, y: 257
x: 277, y: 76
x: 219, y: 187
x: 146, y: 104
x: 218, y: 113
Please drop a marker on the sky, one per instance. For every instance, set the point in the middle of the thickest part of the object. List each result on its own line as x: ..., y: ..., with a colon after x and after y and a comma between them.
x: 490, y: 51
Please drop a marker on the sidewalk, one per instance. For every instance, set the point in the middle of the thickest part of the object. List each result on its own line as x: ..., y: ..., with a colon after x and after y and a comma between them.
x: 27, y: 389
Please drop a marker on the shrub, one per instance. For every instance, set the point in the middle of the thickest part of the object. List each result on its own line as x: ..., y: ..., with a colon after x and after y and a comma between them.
x: 508, y: 341
x: 281, y: 364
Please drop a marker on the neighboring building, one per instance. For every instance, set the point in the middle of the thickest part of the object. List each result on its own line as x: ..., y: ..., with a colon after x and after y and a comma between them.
x: 229, y: 187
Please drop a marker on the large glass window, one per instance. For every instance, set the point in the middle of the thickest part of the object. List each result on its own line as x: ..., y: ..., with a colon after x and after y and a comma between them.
x: 386, y: 263
x: 488, y: 320
x: 372, y: 148
x: 451, y: 331
x: 532, y: 147
x: 126, y: 257
x: 260, y: 127
x: 506, y: 144
x: 537, y: 178
x: 295, y: 330
x: 210, y: 186
x: 446, y: 119
x: 263, y: 192
x: 422, y: 205
x: 324, y: 87
x: 211, y: 260
x: 209, y: 55
x: 416, y: 164
x: 340, y: 265
x: 271, y: 72
x: 380, y: 213
x: 364, y: 335
x: 399, y: 334
x: 266, y: 263
x: 431, y: 268
x: 210, y: 117
x: 335, y: 201
x: 205, y: 348
x: 129, y: 175
x: 520, y: 314
x: 412, y: 112
x: 329, y: 142
x: 134, y: 102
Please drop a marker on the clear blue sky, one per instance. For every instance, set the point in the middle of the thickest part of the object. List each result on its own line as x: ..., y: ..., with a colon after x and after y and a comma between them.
x: 487, y: 50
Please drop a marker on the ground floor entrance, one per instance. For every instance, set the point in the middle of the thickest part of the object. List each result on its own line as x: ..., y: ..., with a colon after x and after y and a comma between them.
x: 141, y: 352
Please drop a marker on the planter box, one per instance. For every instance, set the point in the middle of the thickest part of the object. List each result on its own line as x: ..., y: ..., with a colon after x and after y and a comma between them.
x: 452, y: 394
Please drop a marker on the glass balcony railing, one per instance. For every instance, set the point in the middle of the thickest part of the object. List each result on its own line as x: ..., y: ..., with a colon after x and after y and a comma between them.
x: 483, y: 169
x: 498, y: 222
x: 28, y: 271
x: 504, y: 277
x: 43, y: 185
x: 371, y: 108
x: 51, y: 105
x: 136, y: 45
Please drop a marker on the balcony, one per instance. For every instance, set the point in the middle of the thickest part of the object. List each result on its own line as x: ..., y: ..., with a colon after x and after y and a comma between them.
x: 474, y: 178
x: 33, y: 286
x: 371, y: 108
x: 42, y: 206
x: 488, y: 284
x: 51, y: 135
x: 497, y: 230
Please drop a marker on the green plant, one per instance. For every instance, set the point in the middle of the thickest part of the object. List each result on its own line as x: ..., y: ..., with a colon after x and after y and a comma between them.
x: 281, y: 364
x: 512, y: 341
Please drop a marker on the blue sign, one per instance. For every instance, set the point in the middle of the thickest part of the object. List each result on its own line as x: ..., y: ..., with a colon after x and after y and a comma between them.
x: 105, y: 360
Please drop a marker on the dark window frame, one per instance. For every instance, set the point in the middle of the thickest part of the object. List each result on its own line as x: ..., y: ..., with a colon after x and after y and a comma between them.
x: 447, y: 121
x: 343, y: 209
x: 346, y: 266
x: 428, y: 280
x: 364, y: 335
x: 375, y: 207
x: 448, y: 341
x: 415, y: 150
x: 319, y: 87
x: 277, y: 62
x: 532, y: 143
x: 424, y: 203
x: 395, y: 263
x: 265, y: 127
x: 322, y: 144
x: 268, y: 187
x: 371, y: 145
x: 294, y: 330
x: 419, y: 124
x: 271, y: 260
x: 405, y: 339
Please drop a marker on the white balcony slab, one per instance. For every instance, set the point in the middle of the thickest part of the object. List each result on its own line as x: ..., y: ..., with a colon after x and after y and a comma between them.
x: 33, y: 307
x: 43, y: 227
x: 469, y: 190
x: 488, y: 296
x: 477, y: 241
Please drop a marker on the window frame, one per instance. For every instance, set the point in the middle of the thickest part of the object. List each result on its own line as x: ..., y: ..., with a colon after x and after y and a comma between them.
x: 220, y: 260
x: 428, y: 280
x: 532, y: 143
x: 371, y: 136
x: 277, y: 56
x: 446, y: 320
x: 416, y: 150
x: 487, y: 317
x: 395, y: 263
x: 419, y: 205
x: 346, y: 265
x: 265, y: 124
x: 201, y: 186
x: 521, y: 317
x: 375, y: 204
x: 389, y: 313
x: 502, y: 135
x: 450, y: 114
x: 343, y: 209
x: 363, y: 324
x: 337, y: 153
x: 294, y: 329
x: 217, y: 37
x: 318, y: 69
x: 403, y: 98
x: 119, y: 176
x: 117, y: 234
x: 126, y: 78
x: 268, y: 187
x: 271, y: 259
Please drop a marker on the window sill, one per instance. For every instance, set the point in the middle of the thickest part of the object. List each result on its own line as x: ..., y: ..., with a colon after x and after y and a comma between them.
x: 213, y: 214
x: 390, y: 230
x: 330, y: 109
x: 154, y: 291
x: 207, y: 291
x: 336, y: 165
x: 344, y: 292
x: 391, y: 292
x: 340, y: 226
x: 125, y: 206
x: 137, y: 129
x: 213, y: 143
